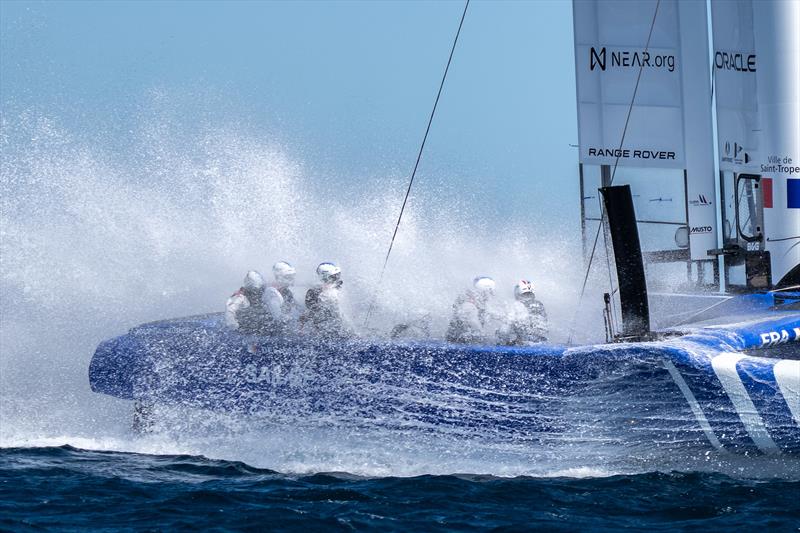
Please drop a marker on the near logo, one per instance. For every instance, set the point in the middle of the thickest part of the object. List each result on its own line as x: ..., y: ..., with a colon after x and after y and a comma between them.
x: 628, y: 59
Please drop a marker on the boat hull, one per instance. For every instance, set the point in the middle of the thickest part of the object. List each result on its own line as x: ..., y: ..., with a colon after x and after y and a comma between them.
x: 698, y: 388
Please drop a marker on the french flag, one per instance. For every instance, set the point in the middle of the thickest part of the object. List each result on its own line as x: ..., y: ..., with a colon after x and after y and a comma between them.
x: 793, y: 194
x: 766, y: 191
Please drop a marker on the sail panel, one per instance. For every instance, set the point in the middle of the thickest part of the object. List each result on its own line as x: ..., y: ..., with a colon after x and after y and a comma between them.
x: 670, y: 125
x: 610, y: 39
x: 736, y: 97
x: 757, y: 82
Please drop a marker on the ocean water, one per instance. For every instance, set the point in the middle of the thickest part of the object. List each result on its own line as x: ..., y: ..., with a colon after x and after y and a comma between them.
x: 68, y: 488
x: 95, y: 240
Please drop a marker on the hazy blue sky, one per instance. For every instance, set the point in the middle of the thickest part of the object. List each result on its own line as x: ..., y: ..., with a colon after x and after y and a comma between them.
x: 347, y: 86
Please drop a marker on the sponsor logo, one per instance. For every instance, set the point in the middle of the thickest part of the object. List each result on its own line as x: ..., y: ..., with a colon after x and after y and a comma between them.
x: 735, y: 154
x: 735, y: 61
x: 626, y: 153
x: 289, y: 376
x: 779, y: 337
x: 603, y: 59
x: 700, y: 230
x: 702, y: 199
x: 782, y: 165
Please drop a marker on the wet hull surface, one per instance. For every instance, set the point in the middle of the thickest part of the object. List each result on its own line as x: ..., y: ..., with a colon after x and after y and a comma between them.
x: 699, y: 389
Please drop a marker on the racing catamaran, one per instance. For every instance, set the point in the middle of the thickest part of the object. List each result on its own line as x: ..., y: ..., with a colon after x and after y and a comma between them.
x: 723, y: 374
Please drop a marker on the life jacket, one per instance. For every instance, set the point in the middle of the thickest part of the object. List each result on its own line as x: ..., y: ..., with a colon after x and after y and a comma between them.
x: 461, y: 331
x: 534, y: 307
x: 288, y: 298
x: 530, y: 329
x: 254, y: 318
x: 323, y: 316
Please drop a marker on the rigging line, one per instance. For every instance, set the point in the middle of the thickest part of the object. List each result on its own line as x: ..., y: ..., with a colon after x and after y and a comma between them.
x: 416, y: 163
x: 633, y: 98
x: 613, y: 174
x: 608, y: 266
x: 783, y: 239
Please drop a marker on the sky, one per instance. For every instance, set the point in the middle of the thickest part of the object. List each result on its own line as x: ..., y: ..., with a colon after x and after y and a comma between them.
x: 101, y: 218
x: 346, y: 87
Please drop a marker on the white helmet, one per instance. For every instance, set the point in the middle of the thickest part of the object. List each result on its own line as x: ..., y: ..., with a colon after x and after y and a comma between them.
x: 329, y: 273
x: 484, y: 286
x: 284, y: 272
x: 522, y: 288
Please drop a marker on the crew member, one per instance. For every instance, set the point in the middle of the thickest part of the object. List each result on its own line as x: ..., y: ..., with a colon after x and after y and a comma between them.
x: 471, y: 313
x: 527, y: 320
x: 245, y: 310
x: 323, y: 316
x: 279, y: 296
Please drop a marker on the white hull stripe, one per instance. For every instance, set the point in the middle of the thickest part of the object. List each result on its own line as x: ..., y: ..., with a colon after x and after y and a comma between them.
x: 787, y: 374
x: 725, y: 367
x: 695, y: 407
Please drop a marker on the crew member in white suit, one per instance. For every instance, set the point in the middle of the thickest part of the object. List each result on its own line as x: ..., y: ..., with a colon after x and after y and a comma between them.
x: 279, y: 297
x: 245, y: 310
x: 323, y: 316
x: 472, y: 313
x: 526, y: 322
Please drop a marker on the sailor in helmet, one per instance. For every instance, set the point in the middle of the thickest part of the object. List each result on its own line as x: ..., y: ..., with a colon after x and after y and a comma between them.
x: 472, y: 313
x: 245, y: 310
x: 527, y: 319
x: 323, y: 316
x: 279, y: 296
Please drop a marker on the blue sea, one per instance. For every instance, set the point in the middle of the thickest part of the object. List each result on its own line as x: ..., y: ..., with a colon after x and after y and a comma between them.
x: 66, y: 488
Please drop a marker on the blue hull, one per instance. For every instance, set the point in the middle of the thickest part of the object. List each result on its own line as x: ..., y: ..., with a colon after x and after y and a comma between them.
x: 712, y: 386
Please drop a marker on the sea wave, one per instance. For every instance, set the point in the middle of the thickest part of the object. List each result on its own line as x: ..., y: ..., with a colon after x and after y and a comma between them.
x: 66, y: 487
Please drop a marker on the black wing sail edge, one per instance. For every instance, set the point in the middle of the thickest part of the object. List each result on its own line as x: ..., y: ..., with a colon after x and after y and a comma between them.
x: 629, y: 264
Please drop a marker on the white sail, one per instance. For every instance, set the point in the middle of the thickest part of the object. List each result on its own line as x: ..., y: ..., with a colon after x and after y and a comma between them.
x: 757, y: 82
x: 669, y: 123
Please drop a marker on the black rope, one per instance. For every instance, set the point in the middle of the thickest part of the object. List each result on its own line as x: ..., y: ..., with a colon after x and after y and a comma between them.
x: 783, y: 239
x: 419, y: 157
x: 608, y: 267
x: 633, y: 98
x: 613, y: 174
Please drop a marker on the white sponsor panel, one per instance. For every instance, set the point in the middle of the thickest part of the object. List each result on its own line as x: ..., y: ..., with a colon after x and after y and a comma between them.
x: 735, y: 65
x: 610, y: 39
x: 670, y: 121
x: 757, y: 82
